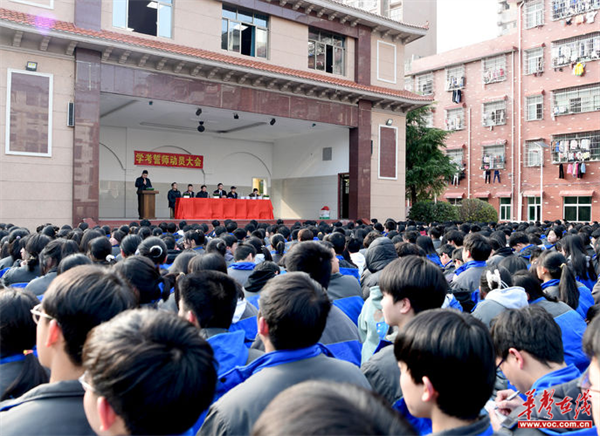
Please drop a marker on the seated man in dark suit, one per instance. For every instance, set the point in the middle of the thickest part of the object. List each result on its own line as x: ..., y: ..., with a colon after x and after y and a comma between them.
x: 203, y: 192
x: 189, y: 193
x: 232, y: 193
x: 220, y: 192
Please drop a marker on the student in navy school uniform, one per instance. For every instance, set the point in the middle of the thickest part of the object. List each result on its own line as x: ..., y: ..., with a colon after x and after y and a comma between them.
x: 160, y: 388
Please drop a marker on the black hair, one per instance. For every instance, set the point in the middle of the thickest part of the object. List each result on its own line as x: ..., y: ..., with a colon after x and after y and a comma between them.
x: 87, y: 236
x: 240, y: 234
x: 313, y: 258
x: 210, y: 295
x: 231, y: 226
x: 295, y: 308
x: 71, y: 261
x: 303, y: 235
x: 99, y: 249
x: 82, y: 298
x: 208, y: 261
x: 15, y: 239
x: 51, y: 255
x: 129, y: 245
x: 18, y: 333
x: 426, y: 244
x: 443, y: 341
x: 144, y: 232
x: 531, y: 284
x: 278, y: 244
x: 411, y: 236
x: 591, y: 338
x: 531, y: 329
x: 455, y: 236
x: 513, y: 264
x: 557, y: 267
x: 216, y: 245
x: 457, y: 254
x: 447, y: 249
x: 338, y: 240
x: 182, y: 262
x: 229, y: 239
x: 144, y: 278
x: 149, y: 364
x: 197, y: 236
x: 154, y: 249
x: 34, y: 246
x: 416, y: 279
x: 494, y: 277
x: 244, y: 250
x: 320, y: 407
x: 478, y: 246
x: 404, y: 249
x: 579, y: 261
x: 518, y: 238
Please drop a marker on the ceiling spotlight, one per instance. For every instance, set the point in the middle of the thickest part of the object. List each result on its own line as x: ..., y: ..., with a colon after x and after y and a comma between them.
x: 273, y: 121
x: 236, y: 117
x: 389, y: 122
x: 198, y: 112
x: 201, y: 127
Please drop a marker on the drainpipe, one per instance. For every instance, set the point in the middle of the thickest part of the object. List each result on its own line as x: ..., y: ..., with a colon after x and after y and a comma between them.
x: 469, y: 153
x: 519, y: 105
x: 512, y: 157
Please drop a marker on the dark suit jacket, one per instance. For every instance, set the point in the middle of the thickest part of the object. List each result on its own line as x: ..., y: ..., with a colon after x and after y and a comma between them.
x: 202, y: 194
x: 139, y: 184
x: 222, y: 193
x: 232, y: 195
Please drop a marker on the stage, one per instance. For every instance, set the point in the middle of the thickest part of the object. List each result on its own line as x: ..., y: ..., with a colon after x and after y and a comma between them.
x: 117, y: 222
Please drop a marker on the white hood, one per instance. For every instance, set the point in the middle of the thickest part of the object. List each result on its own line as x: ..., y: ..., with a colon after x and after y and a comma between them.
x: 512, y: 298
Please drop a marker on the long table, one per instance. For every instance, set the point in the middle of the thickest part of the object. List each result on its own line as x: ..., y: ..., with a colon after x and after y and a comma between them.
x: 223, y: 208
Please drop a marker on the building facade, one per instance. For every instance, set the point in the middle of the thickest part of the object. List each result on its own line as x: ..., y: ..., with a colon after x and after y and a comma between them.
x: 524, y: 113
x: 304, y: 100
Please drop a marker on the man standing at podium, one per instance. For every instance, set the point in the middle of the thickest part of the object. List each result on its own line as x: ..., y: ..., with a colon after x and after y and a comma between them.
x: 142, y: 183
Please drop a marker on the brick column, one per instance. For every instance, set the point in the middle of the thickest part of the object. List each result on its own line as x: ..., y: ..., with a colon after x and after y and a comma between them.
x: 88, y: 14
x: 86, y: 136
x: 362, y: 60
x: 360, y: 164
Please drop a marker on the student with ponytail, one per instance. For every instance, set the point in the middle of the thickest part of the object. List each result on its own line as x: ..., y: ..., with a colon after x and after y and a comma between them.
x: 154, y: 249
x: 30, y: 266
x: 50, y: 257
x: 145, y: 279
x: 277, y: 247
x: 579, y: 261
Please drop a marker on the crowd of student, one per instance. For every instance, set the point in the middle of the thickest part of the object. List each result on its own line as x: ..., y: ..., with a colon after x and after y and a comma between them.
x: 356, y: 328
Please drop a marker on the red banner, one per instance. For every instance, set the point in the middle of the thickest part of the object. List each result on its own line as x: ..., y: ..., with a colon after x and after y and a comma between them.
x: 151, y: 158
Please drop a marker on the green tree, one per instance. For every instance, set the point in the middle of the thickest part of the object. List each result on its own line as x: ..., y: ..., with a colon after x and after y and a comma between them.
x: 428, y: 169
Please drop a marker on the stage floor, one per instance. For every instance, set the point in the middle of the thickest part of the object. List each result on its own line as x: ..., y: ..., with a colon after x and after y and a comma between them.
x: 117, y: 222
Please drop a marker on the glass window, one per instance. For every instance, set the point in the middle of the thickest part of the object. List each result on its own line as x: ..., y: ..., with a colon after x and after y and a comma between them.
x: 576, y: 100
x: 455, y: 78
x: 535, y: 107
x: 533, y: 208
x: 567, y: 8
x: 534, y: 14
x: 577, y: 208
x: 455, y: 119
x: 494, y: 113
x: 534, y: 61
x: 456, y: 157
x: 154, y: 17
x: 494, y: 69
x: 326, y: 51
x: 584, y: 146
x: 425, y: 84
x: 505, y: 209
x: 533, y: 154
x: 493, y: 157
x: 428, y: 117
x: 579, y: 49
x: 247, y: 32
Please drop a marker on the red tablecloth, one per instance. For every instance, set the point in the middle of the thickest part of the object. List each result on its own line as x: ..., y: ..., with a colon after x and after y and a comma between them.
x: 221, y: 208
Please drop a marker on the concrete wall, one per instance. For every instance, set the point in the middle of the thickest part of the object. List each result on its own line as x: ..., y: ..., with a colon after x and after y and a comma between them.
x: 35, y: 190
x: 387, y: 62
x: 388, y: 196
x: 302, y: 182
x: 230, y: 162
x: 63, y: 10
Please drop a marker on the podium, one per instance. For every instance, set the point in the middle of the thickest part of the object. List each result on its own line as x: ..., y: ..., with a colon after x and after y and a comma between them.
x: 149, y: 205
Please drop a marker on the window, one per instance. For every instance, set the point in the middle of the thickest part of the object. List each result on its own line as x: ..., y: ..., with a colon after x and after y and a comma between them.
x: 494, y: 69
x: 396, y: 14
x: 408, y: 83
x: 576, y: 100
x: 535, y: 107
x: 455, y: 119
x: 456, y: 157
x: 566, y: 8
x: 455, y: 201
x: 577, y: 208
x: 534, y: 14
x: 326, y: 51
x: 579, y: 146
x: 455, y: 78
x: 505, y: 209
x: 425, y: 84
x: 494, y: 114
x: 534, y: 61
x: 534, y: 208
x: 579, y: 49
x: 153, y: 17
x: 533, y: 154
x: 244, y: 32
x: 28, y: 113
x: 493, y: 157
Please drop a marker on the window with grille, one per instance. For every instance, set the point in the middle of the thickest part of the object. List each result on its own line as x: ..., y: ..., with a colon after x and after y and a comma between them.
x: 576, y: 100
x: 584, y: 146
x: 455, y: 119
x: 456, y: 157
x: 408, y: 83
x: 428, y: 118
x: 577, y: 208
x: 505, y: 209
x: 533, y: 154
x: 326, y: 51
x: 535, y: 107
x: 244, y: 32
x: 455, y: 78
x: 494, y: 69
x: 493, y: 157
x: 425, y: 84
x: 494, y: 114
x: 534, y: 61
x: 567, y: 8
x: 580, y: 49
x: 534, y: 14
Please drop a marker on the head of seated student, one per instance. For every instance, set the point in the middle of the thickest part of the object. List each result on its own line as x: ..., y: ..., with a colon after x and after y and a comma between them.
x: 182, y: 261
x: 146, y: 372
x: 313, y: 258
x: 144, y: 278
x: 207, y: 299
x: 437, y: 351
x: 51, y: 256
x: 476, y: 247
x: 218, y: 246
x: 576, y: 253
x: 209, y: 261
x: 518, y: 241
x: 528, y: 345
x: 72, y: 261
x: 75, y: 302
x: 553, y: 265
x: 446, y: 253
x: 404, y: 249
x: 513, y: 264
x: 410, y: 285
x: 17, y: 334
x: 154, y: 249
x: 457, y: 257
x: 193, y: 239
x: 319, y: 407
x: 99, y: 249
x: 129, y: 245
x: 591, y: 380
x: 494, y: 277
x: 244, y: 252
x: 293, y: 312
x: 455, y: 237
